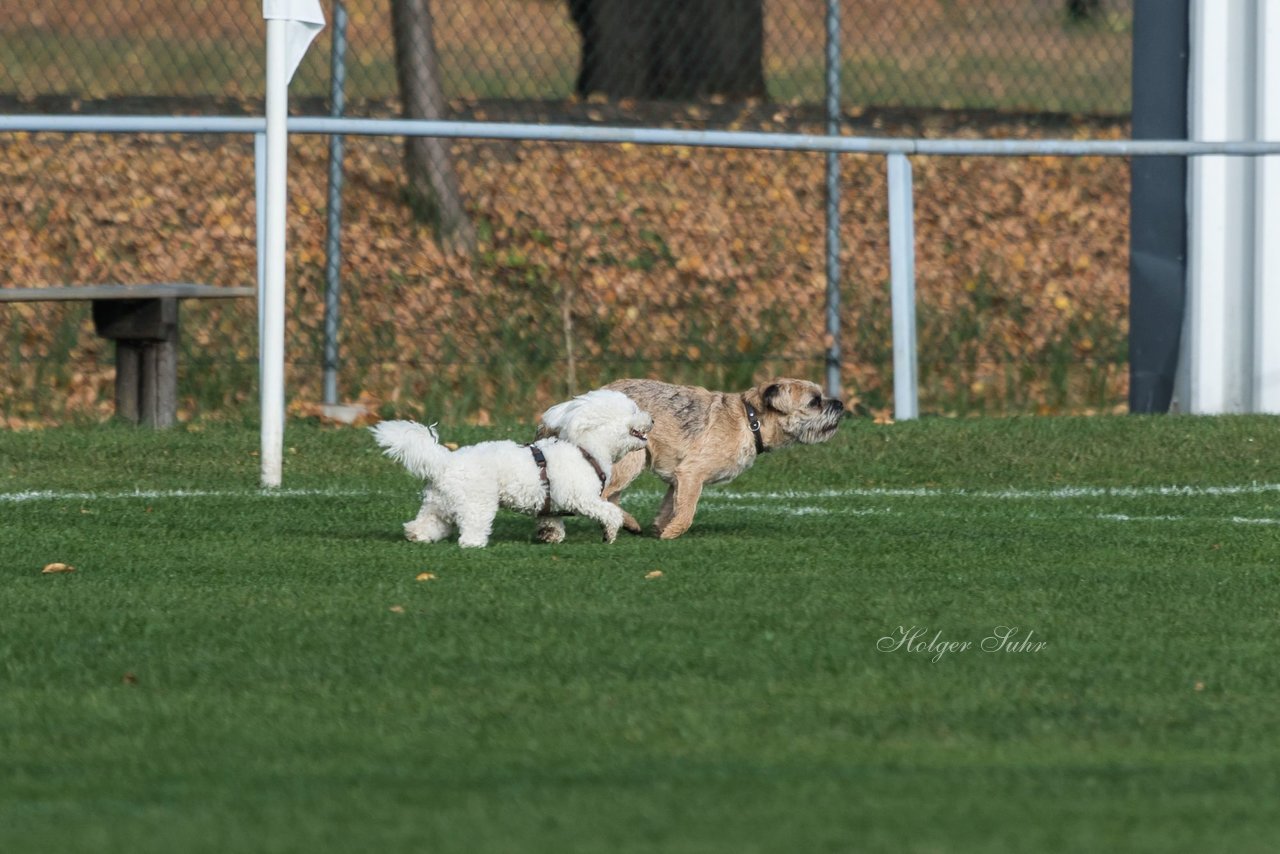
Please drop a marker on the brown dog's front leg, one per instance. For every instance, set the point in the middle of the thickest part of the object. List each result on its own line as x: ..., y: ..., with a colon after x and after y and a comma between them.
x: 683, y: 497
x: 665, y: 510
x: 628, y: 521
x: 625, y: 471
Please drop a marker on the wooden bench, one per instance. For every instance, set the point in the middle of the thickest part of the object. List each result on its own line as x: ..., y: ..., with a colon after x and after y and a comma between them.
x: 143, y: 321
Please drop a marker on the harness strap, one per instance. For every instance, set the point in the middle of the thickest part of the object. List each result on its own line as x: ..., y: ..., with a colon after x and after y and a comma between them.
x: 595, y: 465
x: 541, y: 460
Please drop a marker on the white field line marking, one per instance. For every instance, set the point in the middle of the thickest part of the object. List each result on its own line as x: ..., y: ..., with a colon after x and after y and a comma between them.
x: 775, y: 509
x: 1055, y: 494
x: 738, y: 501
x: 152, y: 494
x: 1231, y: 520
x: 789, y: 510
x: 1124, y: 517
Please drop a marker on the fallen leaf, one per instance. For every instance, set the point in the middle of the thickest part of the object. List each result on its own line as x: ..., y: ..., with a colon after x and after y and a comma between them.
x: 657, y: 573
x: 396, y: 609
x: 129, y: 679
x: 57, y: 567
x: 426, y: 576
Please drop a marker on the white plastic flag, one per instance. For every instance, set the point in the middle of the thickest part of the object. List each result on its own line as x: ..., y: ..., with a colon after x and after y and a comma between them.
x: 306, y: 20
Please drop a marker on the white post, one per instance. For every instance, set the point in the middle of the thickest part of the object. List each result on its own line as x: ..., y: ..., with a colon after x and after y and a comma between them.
x: 902, y: 275
x: 1266, y: 367
x: 291, y: 25
x: 1230, y: 361
x: 260, y: 211
x: 271, y: 346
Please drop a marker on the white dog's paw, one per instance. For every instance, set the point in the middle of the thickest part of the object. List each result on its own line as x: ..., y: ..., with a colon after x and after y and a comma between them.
x: 550, y: 533
x: 426, y: 531
x: 610, y: 533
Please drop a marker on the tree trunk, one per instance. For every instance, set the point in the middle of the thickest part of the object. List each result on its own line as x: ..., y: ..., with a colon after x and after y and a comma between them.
x: 1082, y: 10
x: 432, y: 181
x: 678, y: 49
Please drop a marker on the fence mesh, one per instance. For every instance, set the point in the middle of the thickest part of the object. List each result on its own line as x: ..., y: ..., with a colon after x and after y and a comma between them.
x: 574, y: 264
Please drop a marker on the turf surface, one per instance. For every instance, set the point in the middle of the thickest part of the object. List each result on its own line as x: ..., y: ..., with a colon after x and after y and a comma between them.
x: 228, y: 670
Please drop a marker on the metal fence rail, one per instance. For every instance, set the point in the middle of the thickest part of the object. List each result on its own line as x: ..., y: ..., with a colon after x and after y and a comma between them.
x: 511, y: 131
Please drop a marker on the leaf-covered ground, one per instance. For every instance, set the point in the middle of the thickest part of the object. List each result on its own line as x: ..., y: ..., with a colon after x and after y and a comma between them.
x: 594, y: 262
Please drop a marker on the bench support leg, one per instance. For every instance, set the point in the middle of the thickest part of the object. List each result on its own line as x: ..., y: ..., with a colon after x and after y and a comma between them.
x: 158, y: 383
x: 146, y: 336
x: 128, y: 370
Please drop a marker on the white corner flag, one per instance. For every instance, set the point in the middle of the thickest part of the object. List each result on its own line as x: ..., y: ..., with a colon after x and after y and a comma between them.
x: 291, y: 26
x: 306, y: 20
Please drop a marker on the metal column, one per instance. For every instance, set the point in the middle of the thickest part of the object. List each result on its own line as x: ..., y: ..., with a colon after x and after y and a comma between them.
x: 1158, y: 208
x: 333, y: 239
x: 833, y: 202
x: 902, y: 265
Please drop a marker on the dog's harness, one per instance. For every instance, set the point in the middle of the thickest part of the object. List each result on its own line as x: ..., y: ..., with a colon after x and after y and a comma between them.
x: 753, y: 421
x: 541, y: 460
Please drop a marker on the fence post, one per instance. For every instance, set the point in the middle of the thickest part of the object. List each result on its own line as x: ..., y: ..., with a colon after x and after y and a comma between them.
x: 333, y: 237
x: 833, y: 201
x: 902, y: 265
x: 260, y: 215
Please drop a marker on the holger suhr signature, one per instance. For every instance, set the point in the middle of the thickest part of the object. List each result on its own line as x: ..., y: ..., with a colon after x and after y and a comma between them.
x: 918, y: 639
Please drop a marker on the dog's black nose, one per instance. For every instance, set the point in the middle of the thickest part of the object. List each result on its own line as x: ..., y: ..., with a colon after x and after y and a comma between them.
x: 835, y: 404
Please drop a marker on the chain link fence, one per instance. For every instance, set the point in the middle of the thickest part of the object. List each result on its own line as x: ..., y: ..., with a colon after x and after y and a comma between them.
x: 578, y: 263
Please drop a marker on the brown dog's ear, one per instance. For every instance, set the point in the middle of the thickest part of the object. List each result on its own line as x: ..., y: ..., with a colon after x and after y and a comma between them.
x: 770, y: 392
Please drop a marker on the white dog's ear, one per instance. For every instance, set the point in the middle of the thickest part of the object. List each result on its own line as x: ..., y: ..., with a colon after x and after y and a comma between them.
x: 557, y: 418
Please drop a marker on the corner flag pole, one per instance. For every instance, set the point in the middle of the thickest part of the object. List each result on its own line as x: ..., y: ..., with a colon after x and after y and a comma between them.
x: 291, y: 25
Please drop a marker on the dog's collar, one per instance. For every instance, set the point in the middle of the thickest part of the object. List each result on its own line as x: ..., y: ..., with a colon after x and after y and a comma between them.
x: 541, y: 460
x: 753, y: 421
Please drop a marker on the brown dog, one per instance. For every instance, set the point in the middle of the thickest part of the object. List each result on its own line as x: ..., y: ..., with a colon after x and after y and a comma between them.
x: 701, y: 437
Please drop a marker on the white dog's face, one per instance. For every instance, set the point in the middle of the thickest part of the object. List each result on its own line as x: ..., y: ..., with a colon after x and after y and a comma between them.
x: 605, y: 420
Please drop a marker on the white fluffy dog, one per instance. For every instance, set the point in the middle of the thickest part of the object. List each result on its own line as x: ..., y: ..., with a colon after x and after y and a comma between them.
x: 467, y: 486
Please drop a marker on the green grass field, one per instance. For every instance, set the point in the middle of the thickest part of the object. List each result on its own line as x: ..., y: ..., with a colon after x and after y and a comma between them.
x: 228, y: 670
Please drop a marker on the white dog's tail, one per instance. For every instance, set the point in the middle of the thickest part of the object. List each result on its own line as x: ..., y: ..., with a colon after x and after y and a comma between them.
x: 415, y: 446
